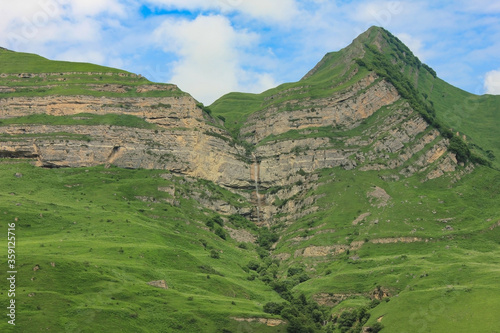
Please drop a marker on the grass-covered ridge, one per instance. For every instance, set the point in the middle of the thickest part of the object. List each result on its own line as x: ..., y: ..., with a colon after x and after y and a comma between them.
x: 30, y: 75
x: 18, y: 62
x: 237, y: 107
x: 444, y: 106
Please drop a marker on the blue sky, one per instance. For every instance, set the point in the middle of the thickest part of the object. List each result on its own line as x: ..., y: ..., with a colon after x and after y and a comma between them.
x: 212, y: 47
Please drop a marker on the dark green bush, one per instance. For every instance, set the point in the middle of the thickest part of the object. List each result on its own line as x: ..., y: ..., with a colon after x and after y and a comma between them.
x: 253, y: 265
x: 273, y: 307
x: 214, y: 254
x: 221, y: 233
x: 460, y: 148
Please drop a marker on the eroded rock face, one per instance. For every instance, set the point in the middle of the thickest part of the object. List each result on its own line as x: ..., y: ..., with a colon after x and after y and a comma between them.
x: 178, y: 111
x: 332, y: 132
x: 264, y: 321
x: 184, y: 151
x: 343, y: 109
x: 158, y: 284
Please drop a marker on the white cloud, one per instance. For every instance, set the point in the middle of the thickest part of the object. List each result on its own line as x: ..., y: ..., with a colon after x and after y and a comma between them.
x: 210, y: 52
x: 266, y: 10
x: 379, y: 13
x: 492, y: 82
x: 277, y: 10
x: 255, y: 82
x: 415, y: 44
x: 77, y: 55
x: 70, y: 30
x: 29, y: 24
x: 81, y: 8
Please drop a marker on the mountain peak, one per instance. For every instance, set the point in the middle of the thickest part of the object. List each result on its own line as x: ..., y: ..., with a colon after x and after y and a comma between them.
x: 376, y: 36
x: 374, y: 40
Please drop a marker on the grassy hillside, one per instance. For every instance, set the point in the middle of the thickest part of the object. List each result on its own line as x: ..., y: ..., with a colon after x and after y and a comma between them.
x: 18, y: 62
x: 432, y: 247
x: 90, y: 239
x: 30, y: 75
x: 475, y: 117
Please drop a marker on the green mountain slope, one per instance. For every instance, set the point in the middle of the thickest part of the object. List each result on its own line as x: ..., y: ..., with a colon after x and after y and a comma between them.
x: 428, y: 252
x: 19, y: 62
x: 476, y: 117
x: 236, y: 107
x: 379, y: 51
x: 30, y: 75
x: 89, y: 241
x: 344, y: 202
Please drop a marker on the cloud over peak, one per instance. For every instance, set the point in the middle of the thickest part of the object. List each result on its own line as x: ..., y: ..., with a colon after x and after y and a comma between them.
x: 209, y: 50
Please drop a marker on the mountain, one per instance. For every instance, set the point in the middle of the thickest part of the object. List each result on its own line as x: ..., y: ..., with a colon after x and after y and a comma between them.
x: 363, y: 197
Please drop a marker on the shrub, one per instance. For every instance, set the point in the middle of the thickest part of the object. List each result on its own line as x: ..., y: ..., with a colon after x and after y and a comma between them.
x: 295, y: 270
x: 214, y: 254
x: 374, y: 303
x: 266, y: 238
x: 221, y: 233
x: 210, y: 224
x: 273, y: 308
x: 253, y: 265
x: 303, y: 277
x: 240, y: 222
x: 217, y: 219
x: 263, y: 253
x: 377, y: 327
x: 204, y: 108
x: 459, y: 147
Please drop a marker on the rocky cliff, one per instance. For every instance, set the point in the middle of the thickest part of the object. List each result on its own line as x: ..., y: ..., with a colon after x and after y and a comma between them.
x: 339, y: 115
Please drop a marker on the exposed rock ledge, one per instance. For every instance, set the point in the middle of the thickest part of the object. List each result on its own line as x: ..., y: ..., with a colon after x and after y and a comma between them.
x: 265, y: 321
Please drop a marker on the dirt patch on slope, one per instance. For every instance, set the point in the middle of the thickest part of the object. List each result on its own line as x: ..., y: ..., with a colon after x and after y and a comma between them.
x: 378, y: 197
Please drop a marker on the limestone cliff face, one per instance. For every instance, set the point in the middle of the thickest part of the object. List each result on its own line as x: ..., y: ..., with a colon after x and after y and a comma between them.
x: 189, y: 141
x: 343, y: 109
x: 186, y: 140
x: 190, y: 152
x: 391, y: 145
x: 166, y: 111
